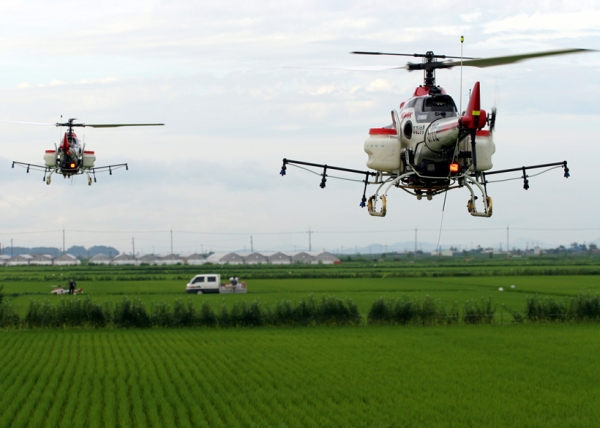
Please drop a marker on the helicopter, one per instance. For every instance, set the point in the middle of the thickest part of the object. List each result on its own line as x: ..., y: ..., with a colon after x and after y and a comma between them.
x: 430, y: 147
x: 71, y: 158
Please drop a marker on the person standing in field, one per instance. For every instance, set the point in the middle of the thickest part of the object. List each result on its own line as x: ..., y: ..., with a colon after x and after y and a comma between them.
x: 71, y: 286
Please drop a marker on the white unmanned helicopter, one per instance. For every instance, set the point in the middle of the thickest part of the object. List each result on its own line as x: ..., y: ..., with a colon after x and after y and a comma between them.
x: 431, y: 147
x: 70, y: 157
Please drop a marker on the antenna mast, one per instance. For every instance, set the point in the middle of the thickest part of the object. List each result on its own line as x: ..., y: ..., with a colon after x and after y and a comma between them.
x: 462, y: 40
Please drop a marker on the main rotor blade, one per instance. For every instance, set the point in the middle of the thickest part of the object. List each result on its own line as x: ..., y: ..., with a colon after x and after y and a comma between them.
x: 354, y: 67
x: 381, y: 53
x: 117, y: 125
x: 415, y: 55
x: 509, y: 59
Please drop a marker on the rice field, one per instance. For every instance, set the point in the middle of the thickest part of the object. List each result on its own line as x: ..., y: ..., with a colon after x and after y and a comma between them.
x: 493, y: 376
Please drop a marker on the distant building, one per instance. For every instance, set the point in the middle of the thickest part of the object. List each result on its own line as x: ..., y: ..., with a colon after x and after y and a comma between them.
x: 302, y: 257
x: 99, y: 259
x: 125, y: 259
x: 223, y: 258
x: 195, y: 259
x: 41, y: 260
x: 443, y: 253
x: 325, y: 258
x: 279, y: 258
x: 66, y: 260
x: 20, y: 260
x: 171, y: 259
x: 149, y: 259
x: 255, y: 259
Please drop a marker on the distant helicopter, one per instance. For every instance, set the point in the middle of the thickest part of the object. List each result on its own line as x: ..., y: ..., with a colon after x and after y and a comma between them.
x: 70, y: 157
x: 431, y: 147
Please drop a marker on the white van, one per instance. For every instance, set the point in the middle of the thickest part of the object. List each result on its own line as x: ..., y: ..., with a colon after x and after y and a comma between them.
x: 206, y: 283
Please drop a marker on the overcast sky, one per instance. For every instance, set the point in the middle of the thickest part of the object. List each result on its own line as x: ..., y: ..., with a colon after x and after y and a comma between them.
x: 216, y: 74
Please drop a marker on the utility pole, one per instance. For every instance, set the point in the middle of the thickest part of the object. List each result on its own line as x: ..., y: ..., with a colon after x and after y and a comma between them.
x: 133, y: 245
x: 251, y: 245
x: 171, y: 241
x: 64, y: 252
x: 507, y: 241
x: 415, y: 242
x: 310, y: 232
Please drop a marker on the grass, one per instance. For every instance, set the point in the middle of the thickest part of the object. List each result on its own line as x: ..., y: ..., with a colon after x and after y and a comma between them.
x: 493, y: 376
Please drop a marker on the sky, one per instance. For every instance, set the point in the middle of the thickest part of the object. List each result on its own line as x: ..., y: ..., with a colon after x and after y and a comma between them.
x: 238, y: 87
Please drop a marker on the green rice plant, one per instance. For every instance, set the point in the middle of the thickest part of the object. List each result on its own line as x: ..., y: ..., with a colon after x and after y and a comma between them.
x: 70, y: 312
x: 354, y: 315
x: 283, y: 314
x: 1, y: 293
x: 430, y: 311
x: 448, y: 316
x: 253, y: 315
x: 518, y: 317
x: 160, y: 314
x: 380, y: 312
x: 207, y: 317
x: 243, y: 315
x: 95, y: 315
x: 330, y: 310
x: 305, y: 312
x: 225, y: 319
x: 587, y: 307
x: 481, y: 312
x: 8, y: 317
x: 40, y: 314
x: 547, y: 309
x: 237, y: 313
x: 131, y: 313
x: 405, y: 310
x: 183, y: 315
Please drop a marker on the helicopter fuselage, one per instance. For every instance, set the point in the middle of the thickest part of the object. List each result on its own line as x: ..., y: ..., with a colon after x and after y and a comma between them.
x: 70, y: 158
x: 427, y: 136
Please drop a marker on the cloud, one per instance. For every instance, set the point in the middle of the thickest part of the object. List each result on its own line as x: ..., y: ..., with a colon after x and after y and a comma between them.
x: 213, y: 72
x: 581, y: 22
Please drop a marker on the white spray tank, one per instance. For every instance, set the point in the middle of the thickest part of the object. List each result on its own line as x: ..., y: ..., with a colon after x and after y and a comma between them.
x: 88, y: 159
x: 50, y: 158
x: 383, y: 148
